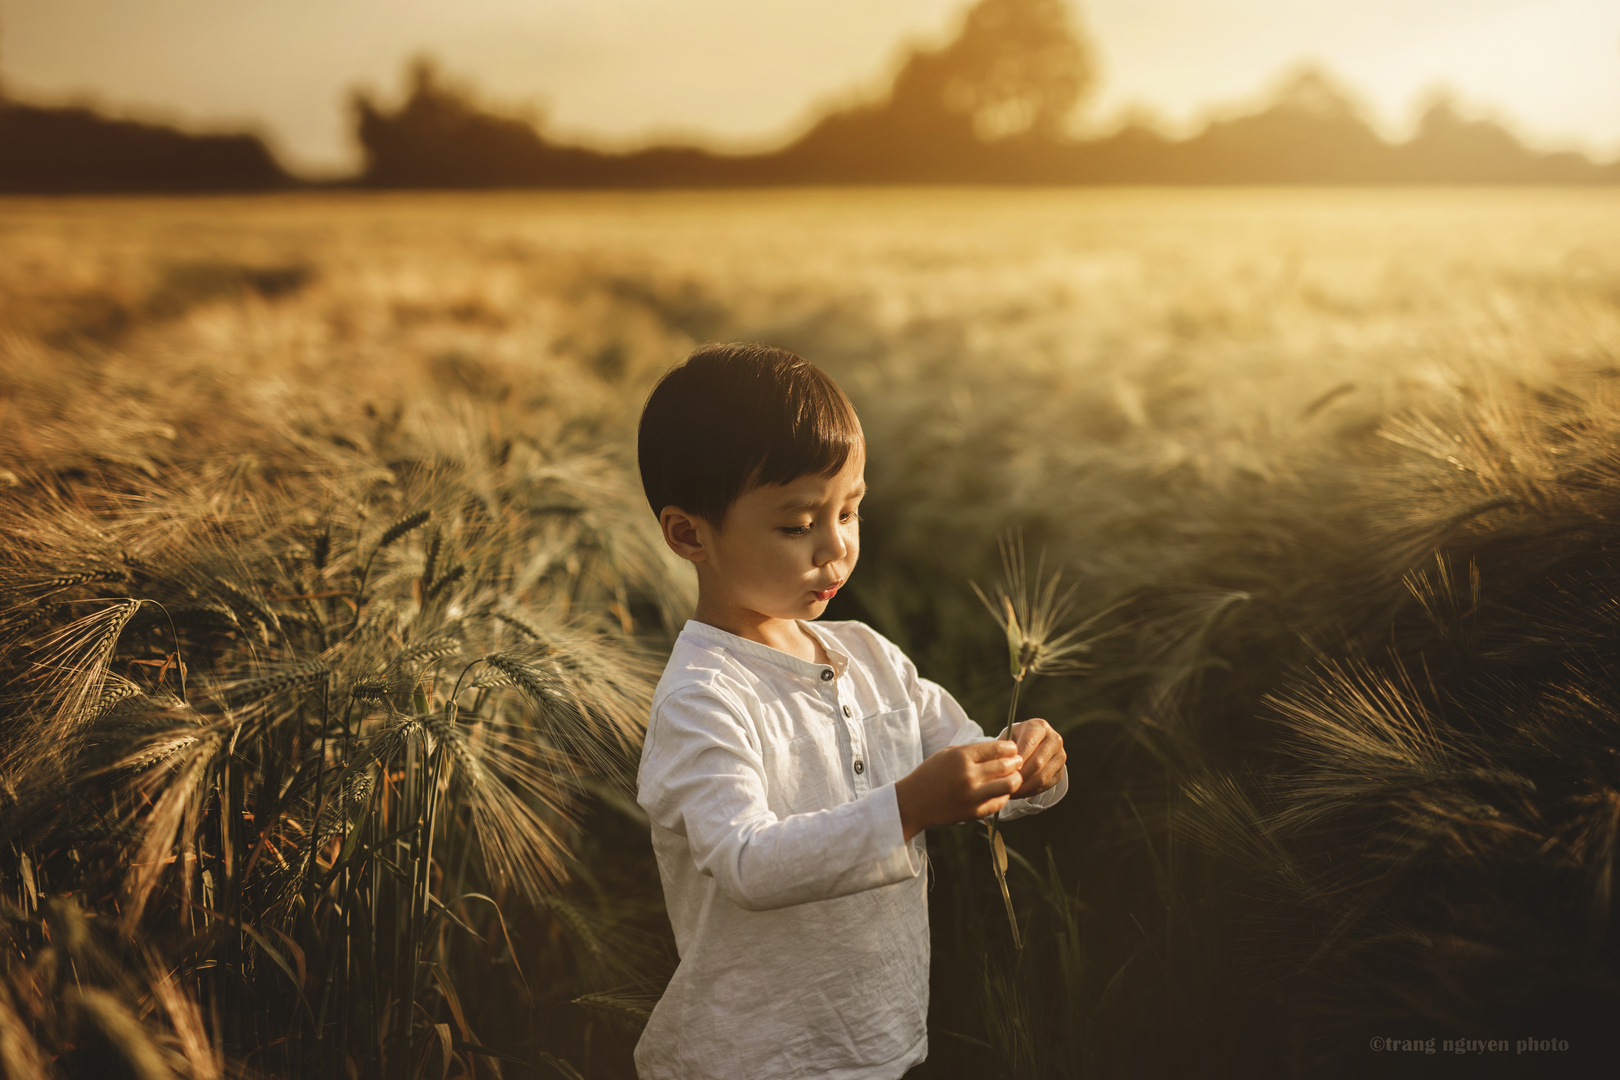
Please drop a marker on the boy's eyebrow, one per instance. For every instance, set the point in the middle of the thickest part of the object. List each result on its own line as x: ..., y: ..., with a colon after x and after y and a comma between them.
x: 809, y: 502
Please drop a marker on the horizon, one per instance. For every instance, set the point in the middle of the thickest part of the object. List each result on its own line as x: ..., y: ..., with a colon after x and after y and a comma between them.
x: 1154, y: 59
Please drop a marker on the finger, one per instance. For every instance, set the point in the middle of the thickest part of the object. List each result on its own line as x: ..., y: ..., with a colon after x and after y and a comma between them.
x: 985, y: 809
x: 1053, y: 771
x: 1042, y: 774
x: 1049, y: 743
x: 1039, y: 762
x: 999, y: 785
x: 991, y: 748
x: 996, y: 767
x: 1029, y: 734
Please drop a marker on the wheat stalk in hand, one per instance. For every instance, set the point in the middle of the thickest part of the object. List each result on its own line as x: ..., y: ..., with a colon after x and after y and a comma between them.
x: 1030, y: 614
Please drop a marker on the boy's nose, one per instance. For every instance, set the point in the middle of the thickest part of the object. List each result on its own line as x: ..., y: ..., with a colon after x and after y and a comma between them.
x: 832, y: 547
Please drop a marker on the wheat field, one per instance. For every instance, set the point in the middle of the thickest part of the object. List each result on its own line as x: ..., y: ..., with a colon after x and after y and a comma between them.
x: 329, y: 606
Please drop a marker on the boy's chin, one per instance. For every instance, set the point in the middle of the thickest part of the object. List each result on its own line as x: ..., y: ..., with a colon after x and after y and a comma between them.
x: 812, y: 610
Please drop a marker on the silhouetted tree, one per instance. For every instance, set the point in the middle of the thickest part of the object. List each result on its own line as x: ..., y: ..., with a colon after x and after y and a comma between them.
x: 1017, y: 67
x: 990, y: 105
x: 46, y: 150
x: 440, y: 137
x: 1009, y: 79
x: 1451, y: 147
x: 1313, y: 130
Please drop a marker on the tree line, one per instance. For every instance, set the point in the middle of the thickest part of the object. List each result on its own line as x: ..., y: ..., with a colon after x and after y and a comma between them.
x: 989, y: 106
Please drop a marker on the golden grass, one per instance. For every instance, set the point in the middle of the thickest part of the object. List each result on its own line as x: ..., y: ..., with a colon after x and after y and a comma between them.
x: 346, y: 441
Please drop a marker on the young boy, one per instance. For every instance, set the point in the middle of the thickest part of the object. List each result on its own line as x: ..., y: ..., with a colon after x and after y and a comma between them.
x: 789, y: 769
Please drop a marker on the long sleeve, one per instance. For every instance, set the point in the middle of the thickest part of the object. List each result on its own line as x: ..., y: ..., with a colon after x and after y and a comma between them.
x: 769, y: 783
x: 943, y: 722
x: 704, y: 777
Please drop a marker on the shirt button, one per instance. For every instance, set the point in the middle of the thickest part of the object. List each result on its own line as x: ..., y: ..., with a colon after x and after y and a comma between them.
x: 847, y: 712
x: 860, y: 767
x: 826, y: 674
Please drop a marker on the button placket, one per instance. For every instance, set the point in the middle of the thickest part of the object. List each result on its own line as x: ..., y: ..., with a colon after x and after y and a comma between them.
x: 857, y: 748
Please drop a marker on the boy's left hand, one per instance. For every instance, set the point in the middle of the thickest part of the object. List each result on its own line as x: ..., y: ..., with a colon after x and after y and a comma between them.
x: 1042, y: 750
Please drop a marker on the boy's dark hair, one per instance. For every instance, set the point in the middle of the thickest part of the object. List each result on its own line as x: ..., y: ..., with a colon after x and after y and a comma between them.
x: 736, y: 415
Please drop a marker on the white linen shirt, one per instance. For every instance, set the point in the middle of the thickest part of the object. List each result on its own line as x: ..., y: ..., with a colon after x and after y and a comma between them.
x: 800, y: 910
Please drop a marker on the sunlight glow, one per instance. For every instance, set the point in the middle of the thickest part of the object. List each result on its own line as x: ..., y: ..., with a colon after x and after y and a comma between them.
x: 744, y: 74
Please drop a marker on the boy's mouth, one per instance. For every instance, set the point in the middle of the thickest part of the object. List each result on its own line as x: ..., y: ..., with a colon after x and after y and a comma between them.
x: 828, y: 593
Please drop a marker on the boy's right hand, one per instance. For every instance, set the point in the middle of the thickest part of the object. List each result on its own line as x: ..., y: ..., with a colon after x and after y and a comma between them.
x: 959, y: 783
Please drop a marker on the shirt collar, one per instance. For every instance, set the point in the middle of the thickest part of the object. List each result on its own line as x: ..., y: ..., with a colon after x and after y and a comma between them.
x: 840, y: 659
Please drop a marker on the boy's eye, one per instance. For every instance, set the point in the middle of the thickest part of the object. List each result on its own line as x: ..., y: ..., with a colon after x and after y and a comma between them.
x: 797, y: 530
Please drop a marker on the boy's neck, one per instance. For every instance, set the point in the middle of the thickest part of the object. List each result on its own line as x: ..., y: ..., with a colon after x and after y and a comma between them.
x: 784, y: 635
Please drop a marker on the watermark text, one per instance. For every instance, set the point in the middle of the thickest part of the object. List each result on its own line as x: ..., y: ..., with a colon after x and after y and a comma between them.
x: 1389, y: 1044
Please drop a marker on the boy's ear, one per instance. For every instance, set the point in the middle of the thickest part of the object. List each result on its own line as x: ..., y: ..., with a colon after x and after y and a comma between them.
x: 681, y: 533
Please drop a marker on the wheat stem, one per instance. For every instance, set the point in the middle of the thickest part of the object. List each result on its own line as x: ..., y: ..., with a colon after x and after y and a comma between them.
x: 996, y: 843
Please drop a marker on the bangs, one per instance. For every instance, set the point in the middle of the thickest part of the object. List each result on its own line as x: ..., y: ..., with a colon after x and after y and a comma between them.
x: 818, y: 437
x: 737, y: 415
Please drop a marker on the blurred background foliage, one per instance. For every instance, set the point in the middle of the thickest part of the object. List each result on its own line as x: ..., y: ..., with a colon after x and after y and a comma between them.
x: 995, y: 103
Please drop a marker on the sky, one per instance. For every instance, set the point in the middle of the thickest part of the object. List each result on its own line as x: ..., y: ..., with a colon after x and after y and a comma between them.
x: 745, y: 74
